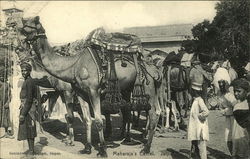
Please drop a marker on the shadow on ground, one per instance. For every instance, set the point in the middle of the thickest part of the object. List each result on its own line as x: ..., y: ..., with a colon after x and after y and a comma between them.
x: 217, y: 154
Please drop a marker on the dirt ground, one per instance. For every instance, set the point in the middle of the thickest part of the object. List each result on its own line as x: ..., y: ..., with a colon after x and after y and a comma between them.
x: 168, y: 145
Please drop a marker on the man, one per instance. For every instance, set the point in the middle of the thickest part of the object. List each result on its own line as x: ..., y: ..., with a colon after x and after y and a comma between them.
x: 28, y: 95
x: 241, y: 112
x: 226, y: 102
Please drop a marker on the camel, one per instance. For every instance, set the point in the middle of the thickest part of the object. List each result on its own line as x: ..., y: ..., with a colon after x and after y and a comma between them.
x: 167, y: 99
x: 82, y: 72
x: 62, y: 89
x: 180, y: 84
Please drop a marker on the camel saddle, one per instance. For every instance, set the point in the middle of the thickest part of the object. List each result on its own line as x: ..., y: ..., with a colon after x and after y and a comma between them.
x: 115, y: 41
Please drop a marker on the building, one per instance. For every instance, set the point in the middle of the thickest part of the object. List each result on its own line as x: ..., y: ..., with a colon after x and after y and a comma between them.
x: 166, y: 38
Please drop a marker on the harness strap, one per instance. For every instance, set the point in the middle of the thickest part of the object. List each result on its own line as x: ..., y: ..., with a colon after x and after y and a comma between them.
x: 95, y: 57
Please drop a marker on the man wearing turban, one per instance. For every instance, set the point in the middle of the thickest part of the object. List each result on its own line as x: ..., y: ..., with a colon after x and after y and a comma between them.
x: 28, y: 96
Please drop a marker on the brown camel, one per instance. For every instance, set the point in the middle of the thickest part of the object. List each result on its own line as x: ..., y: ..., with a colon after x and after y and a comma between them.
x: 81, y: 70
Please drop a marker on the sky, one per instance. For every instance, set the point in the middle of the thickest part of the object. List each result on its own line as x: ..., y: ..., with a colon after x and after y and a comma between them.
x: 67, y: 21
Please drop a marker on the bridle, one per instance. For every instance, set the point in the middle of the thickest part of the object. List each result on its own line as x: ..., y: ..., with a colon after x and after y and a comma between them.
x: 29, y: 42
x: 36, y: 36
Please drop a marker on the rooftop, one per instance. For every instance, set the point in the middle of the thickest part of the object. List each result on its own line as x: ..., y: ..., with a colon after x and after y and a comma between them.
x: 12, y: 10
x: 176, y: 32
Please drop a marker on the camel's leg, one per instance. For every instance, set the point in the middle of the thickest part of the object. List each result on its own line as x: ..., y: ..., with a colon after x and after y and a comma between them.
x: 179, y: 107
x: 147, y: 115
x: 176, y: 125
x: 95, y: 100
x: 52, y: 98
x: 167, y: 118
x: 145, y: 133
x: 67, y: 99
x: 162, y: 122
x: 108, y: 130
x: 133, y: 116
x: 128, y: 138
x: 137, y: 118
x: 124, y: 122
x: 88, y: 121
x: 154, y: 115
x: 126, y: 115
x: 187, y: 102
x: 163, y: 112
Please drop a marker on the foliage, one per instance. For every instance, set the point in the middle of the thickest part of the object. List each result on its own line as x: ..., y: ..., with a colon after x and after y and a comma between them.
x: 227, y: 36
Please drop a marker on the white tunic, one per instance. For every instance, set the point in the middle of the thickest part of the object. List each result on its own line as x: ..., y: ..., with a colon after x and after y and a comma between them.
x: 197, y: 129
x: 227, y: 102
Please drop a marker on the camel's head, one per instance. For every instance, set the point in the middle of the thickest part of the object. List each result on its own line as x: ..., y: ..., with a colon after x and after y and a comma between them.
x: 32, y: 28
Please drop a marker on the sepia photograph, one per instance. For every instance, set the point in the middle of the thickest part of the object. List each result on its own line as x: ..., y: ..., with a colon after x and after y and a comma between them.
x: 124, y: 79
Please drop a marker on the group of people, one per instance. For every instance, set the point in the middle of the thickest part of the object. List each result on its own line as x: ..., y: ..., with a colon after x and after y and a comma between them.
x: 235, y: 107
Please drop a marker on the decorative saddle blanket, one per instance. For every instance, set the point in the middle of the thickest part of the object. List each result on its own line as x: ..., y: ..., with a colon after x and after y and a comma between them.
x: 115, y: 41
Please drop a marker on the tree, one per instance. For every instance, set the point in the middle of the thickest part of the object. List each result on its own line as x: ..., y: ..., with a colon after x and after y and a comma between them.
x: 232, y: 20
x: 227, y: 36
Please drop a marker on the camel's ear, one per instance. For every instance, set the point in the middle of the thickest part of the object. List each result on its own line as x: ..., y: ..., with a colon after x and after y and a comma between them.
x: 24, y: 20
x: 36, y: 19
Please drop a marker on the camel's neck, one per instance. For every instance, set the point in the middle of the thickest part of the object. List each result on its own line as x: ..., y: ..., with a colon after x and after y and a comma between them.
x: 58, y: 66
x: 41, y: 77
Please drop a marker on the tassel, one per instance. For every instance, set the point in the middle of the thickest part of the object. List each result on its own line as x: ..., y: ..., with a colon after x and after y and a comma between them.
x: 139, y: 100
x: 113, y: 98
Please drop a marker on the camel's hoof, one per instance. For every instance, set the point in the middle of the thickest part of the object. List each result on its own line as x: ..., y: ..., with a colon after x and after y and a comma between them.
x: 129, y: 141
x: 166, y: 129
x: 102, y: 154
x: 162, y: 131
x: 176, y: 128
x: 64, y: 140
x: 68, y: 142
x: 87, y: 149
x: 71, y: 143
x: 102, y: 150
x: 145, y: 150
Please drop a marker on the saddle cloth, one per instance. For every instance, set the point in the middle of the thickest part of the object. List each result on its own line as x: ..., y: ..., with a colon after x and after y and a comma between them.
x: 115, y: 41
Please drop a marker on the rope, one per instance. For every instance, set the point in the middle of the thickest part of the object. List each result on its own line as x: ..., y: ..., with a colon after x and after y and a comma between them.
x: 145, y: 70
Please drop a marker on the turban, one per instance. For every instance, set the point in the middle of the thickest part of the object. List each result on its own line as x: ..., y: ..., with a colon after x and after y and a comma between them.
x: 26, y: 66
x: 241, y: 83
